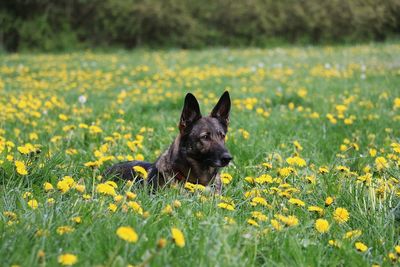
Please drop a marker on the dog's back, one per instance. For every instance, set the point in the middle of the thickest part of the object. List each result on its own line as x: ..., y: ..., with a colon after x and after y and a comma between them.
x: 124, y: 170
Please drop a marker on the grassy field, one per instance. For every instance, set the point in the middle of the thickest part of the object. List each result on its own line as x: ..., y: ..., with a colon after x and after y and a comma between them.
x: 315, y: 135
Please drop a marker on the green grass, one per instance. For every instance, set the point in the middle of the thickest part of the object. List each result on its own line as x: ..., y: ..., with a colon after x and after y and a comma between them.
x: 279, y: 96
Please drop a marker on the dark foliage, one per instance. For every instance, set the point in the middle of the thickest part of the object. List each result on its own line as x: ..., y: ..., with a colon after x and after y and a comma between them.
x: 49, y: 25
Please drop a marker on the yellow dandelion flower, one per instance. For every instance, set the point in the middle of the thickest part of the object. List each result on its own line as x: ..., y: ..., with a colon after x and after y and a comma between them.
x: 259, y: 216
x: 127, y: 233
x: 110, y: 183
x: 285, y: 172
x: 252, y: 222
x: 106, y: 189
x: 395, y: 147
x: 63, y: 186
x: 194, y: 187
x: 66, y: 183
x: 67, y: 259
x: 249, y: 179
x: 288, y: 220
x: 297, y: 202
x: 296, y: 161
x: 392, y: 257
x: 136, y: 207
x: 252, y: 193
x: 226, y: 178
x: 323, y: 170
x: 341, y: 215
x: 267, y: 165
x: 23, y: 150
x: 161, y: 243
x: 311, y: 179
x: 41, y: 254
x: 334, y: 243
x: 381, y: 163
x: 42, y: 232
x: 343, y: 169
x: 118, y: 198
x: 259, y: 200
x: 265, y: 178
x: 33, y: 203
x: 229, y: 220
x: 76, y: 219
x: 130, y: 195
x: 360, y: 246
x: 140, y: 171
x: 11, y: 215
x: 316, y: 209
x: 63, y: 117
x: 329, y: 201
x: 322, y: 225
x: 372, y: 152
x: 189, y: 186
x: 93, y: 129
x: 297, y: 145
x: 21, y: 168
x: 199, y: 215
x: 112, y: 207
x: 245, y: 133
x: 396, y: 103
x: 69, y: 180
x: 226, y: 206
x: 80, y: 188
x: 167, y: 209
x: 92, y: 164
x: 177, y: 204
x: 178, y: 237
x: 62, y: 230
x: 276, y: 225
x: 27, y: 195
x: 48, y: 187
x: 28, y: 148
x: 352, y: 234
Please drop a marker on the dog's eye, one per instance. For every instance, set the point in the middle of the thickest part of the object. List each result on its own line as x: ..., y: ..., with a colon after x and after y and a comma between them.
x: 205, y: 137
x: 222, y: 135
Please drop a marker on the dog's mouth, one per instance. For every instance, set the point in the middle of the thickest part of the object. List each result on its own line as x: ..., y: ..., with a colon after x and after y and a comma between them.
x: 222, y: 162
x: 219, y: 164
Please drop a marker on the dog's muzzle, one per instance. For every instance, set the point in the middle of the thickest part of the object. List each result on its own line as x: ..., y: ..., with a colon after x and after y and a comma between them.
x: 225, y: 159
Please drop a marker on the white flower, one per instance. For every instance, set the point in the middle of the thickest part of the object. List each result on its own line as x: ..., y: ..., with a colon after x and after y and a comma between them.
x: 82, y: 99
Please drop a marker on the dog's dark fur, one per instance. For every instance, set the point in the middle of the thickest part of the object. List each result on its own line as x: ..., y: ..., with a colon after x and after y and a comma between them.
x: 197, y: 153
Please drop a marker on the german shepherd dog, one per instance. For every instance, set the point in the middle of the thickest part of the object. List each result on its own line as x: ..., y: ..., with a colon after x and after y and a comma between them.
x: 197, y: 153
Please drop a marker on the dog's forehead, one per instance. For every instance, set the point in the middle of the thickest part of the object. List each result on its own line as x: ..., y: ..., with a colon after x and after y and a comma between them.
x: 208, y: 124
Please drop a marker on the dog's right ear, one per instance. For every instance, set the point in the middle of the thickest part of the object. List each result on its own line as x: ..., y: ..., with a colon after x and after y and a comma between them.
x: 190, y: 112
x: 222, y: 109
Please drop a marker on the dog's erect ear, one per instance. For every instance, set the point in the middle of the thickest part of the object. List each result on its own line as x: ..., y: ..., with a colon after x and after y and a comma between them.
x: 221, y: 110
x: 190, y: 112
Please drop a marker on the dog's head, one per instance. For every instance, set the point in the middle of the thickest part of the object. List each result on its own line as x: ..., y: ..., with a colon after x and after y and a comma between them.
x: 203, y: 138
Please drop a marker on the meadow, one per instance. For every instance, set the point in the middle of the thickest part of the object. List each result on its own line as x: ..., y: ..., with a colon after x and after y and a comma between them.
x: 314, y: 131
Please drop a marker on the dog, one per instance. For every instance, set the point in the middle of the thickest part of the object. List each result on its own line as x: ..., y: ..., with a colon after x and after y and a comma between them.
x: 196, y: 155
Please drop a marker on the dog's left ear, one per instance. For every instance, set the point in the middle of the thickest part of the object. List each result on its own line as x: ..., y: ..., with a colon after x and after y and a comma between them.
x: 222, y: 109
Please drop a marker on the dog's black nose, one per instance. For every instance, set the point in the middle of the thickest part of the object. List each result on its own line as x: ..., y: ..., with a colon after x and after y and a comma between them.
x: 226, y: 158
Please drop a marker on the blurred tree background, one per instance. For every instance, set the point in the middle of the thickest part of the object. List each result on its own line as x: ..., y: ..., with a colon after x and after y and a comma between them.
x: 46, y: 25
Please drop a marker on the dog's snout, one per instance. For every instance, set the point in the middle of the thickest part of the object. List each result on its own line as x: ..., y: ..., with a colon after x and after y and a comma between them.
x: 226, y: 158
